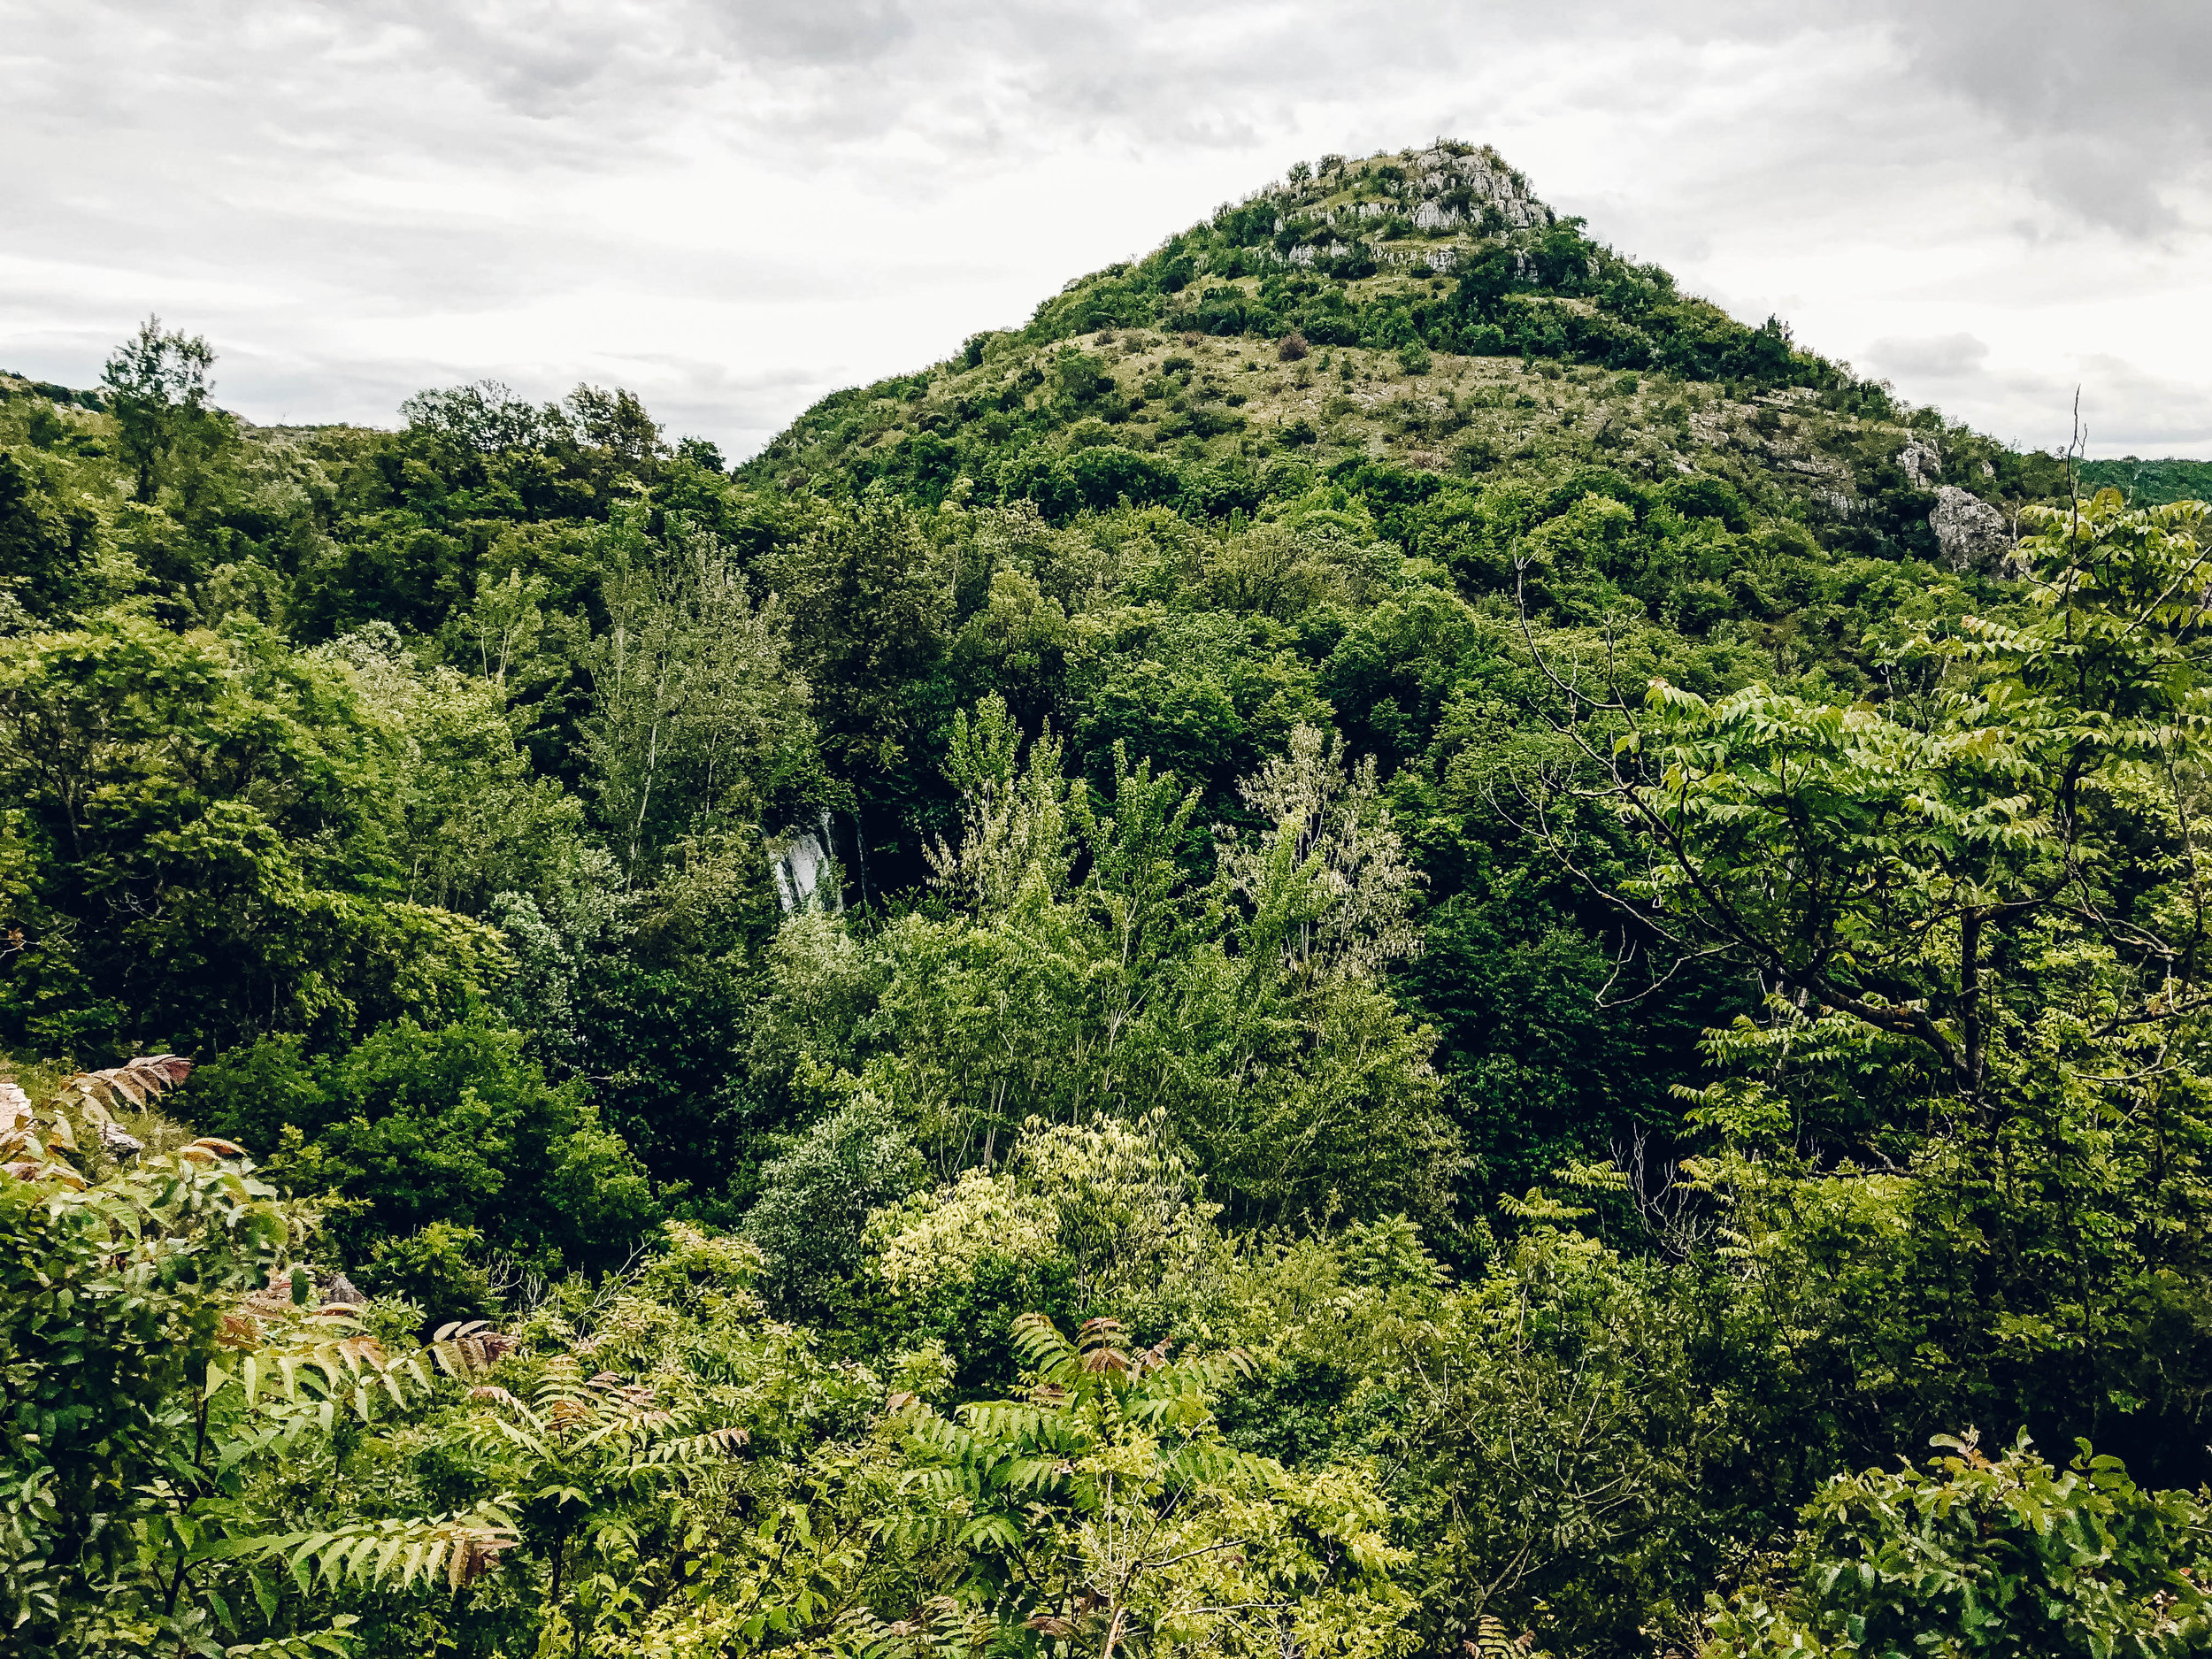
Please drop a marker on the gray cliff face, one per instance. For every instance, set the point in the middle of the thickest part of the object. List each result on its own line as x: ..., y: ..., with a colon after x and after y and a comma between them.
x: 1973, y: 534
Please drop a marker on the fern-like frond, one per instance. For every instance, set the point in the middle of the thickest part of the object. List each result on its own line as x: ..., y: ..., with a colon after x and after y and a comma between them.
x: 307, y: 1361
x: 1039, y: 1343
x: 939, y: 1626
x: 711, y: 1447
x: 397, y: 1553
x: 1491, y: 1641
x: 1004, y: 1420
x: 336, y: 1638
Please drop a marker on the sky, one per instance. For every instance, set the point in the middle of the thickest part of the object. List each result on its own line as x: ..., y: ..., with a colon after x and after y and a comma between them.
x: 734, y: 206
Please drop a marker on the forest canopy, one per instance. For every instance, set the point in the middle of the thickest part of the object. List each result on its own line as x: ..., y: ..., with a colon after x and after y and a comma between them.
x: 1381, y: 942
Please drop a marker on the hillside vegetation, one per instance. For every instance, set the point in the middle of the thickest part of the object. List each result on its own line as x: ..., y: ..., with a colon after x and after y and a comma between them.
x: 2150, y: 483
x: 1421, y: 308
x: 1381, y: 942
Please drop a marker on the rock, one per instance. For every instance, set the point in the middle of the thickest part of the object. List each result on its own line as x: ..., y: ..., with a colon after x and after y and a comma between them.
x: 1972, y: 534
x: 15, y: 1107
x: 339, y: 1289
x: 1485, y: 175
x: 1922, y: 463
x: 121, y: 1147
x: 804, y: 870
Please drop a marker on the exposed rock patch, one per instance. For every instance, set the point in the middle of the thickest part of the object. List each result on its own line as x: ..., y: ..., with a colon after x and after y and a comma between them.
x: 1972, y: 534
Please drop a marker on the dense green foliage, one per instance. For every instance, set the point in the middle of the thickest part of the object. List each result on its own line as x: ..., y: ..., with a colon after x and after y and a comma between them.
x: 2149, y: 483
x: 2009, y: 1556
x: 1377, y: 944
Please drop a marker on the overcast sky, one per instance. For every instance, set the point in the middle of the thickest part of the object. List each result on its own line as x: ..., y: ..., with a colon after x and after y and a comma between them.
x: 733, y: 206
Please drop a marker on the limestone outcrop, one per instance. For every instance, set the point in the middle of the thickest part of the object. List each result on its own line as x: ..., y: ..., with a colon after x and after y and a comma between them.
x: 1972, y: 534
x: 1922, y: 463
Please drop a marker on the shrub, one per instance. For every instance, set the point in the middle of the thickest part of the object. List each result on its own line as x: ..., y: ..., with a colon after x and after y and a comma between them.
x: 1983, y: 1557
x: 451, y: 1125
x: 816, y: 1200
x: 438, y: 1269
x: 1699, y: 496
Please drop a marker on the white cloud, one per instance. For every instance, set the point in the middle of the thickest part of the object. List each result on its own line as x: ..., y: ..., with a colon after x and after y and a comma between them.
x: 734, y: 206
x: 1934, y: 357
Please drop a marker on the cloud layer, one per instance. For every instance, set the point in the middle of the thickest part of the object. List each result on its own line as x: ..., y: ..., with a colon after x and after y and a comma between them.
x: 734, y: 206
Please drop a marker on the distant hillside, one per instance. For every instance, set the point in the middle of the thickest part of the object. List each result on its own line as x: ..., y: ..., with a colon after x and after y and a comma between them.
x: 26, y: 385
x: 2150, y: 483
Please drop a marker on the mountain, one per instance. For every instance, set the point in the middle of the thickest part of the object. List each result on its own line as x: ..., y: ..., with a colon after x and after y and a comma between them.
x: 1420, y: 312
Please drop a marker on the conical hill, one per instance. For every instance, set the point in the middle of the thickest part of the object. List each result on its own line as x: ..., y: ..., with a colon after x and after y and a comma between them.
x: 1423, y: 313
